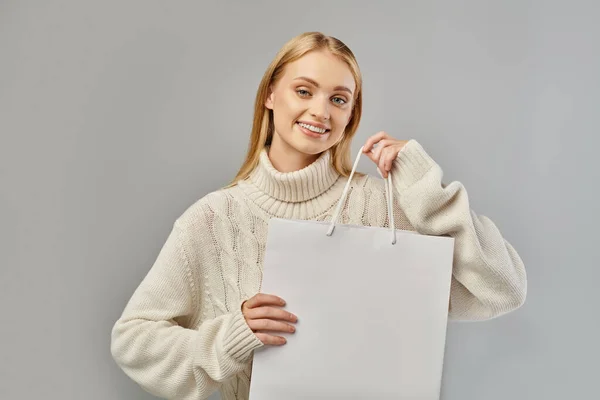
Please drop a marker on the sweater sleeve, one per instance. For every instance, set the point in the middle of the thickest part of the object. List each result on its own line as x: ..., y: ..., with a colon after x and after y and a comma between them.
x: 152, y: 345
x: 488, y: 278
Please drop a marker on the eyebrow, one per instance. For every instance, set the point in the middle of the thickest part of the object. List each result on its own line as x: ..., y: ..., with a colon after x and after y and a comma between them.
x: 312, y: 81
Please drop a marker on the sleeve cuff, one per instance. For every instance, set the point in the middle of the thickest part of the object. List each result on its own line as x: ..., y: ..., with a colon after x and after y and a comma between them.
x: 411, y: 164
x: 240, y: 341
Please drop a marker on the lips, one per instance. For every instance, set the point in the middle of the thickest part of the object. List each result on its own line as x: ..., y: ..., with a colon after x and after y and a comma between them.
x: 312, y: 134
x: 316, y: 125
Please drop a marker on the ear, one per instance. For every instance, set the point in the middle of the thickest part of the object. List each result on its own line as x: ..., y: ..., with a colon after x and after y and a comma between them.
x: 270, y: 98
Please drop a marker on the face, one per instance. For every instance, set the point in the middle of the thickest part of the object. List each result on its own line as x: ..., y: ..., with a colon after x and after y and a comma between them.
x: 315, y: 93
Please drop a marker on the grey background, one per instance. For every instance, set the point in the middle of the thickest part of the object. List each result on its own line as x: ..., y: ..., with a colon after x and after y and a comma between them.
x: 117, y: 115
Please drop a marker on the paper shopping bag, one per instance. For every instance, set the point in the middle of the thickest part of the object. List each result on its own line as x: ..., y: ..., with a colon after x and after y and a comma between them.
x: 372, y: 304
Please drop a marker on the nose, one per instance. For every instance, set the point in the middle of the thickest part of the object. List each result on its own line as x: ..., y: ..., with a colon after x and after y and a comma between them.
x: 320, y: 109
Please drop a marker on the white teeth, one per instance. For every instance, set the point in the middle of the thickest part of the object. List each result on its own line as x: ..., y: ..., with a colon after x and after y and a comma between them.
x: 313, y: 128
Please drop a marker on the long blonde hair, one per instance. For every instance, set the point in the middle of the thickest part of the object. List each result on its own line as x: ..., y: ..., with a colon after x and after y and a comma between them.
x: 262, y: 127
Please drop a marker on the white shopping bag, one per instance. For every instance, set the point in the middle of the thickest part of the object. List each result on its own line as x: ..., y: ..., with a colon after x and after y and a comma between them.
x: 372, y: 304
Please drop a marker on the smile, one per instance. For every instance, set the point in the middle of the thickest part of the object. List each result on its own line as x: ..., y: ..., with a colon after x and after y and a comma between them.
x: 313, y: 128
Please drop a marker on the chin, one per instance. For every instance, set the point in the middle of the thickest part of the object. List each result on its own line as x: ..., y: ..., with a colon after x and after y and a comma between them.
x: 307, y: 145
x: 310, y: 150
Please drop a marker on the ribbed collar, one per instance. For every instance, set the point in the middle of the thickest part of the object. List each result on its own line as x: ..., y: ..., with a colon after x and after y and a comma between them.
x: 296, y: 186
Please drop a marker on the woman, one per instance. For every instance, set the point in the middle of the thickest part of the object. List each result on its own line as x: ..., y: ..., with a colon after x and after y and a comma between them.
x: 192, y: 325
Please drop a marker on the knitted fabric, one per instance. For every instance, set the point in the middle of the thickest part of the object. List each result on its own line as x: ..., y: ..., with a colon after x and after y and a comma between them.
x: 182, y: 334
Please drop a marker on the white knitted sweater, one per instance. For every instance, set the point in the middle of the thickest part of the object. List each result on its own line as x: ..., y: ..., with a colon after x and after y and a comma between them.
x: 182, y: 334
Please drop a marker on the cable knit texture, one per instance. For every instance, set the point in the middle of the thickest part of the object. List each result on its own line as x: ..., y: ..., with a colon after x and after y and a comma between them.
x: 182, y: 334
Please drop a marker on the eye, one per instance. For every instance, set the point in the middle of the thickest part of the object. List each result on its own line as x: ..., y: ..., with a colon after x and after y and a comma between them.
x: 304, y: 93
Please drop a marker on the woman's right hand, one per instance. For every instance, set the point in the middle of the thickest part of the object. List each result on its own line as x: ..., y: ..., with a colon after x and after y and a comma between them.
x: 263, y: 313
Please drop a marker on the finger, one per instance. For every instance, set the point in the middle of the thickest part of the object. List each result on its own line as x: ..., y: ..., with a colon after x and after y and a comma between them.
x: 270, y: 339
x: 270, y: 325
x: 271, y: 313
x: 264, y: 299
x: 371, y: 155
x: 374, y: 154
x: 380, y: 147
x: 389, y: 159
x: 383, y: 161
x: 374, y: 139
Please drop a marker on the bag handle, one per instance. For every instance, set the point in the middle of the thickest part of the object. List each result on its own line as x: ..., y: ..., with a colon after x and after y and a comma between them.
x: 388, y: 197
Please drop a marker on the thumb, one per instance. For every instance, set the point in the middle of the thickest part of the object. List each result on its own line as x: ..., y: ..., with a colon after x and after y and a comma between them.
x: 371, y: 155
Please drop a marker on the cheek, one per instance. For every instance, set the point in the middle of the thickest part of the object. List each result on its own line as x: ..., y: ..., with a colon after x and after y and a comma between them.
x: 287, y: 100
x: 342, y: 120
x: 287, y: 107
x: 287, y: 111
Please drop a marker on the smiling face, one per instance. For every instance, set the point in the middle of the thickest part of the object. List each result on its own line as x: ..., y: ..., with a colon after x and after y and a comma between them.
x: 314, y: 94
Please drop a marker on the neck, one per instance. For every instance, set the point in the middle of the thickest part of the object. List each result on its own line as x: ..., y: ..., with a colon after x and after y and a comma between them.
x: 304, y: 193
x: 287, y: 159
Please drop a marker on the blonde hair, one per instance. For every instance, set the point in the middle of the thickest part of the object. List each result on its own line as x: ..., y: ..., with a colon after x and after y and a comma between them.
x: 262, y: 127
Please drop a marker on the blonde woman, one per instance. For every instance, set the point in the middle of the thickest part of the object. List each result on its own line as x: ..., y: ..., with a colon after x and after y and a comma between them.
x: 191, y: 327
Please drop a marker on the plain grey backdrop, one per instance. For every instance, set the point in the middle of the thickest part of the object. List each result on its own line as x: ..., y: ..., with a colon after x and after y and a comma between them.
x: 115, y: 116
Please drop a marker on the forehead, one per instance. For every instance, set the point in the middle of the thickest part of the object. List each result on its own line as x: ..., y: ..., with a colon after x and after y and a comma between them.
x: 325, y: 68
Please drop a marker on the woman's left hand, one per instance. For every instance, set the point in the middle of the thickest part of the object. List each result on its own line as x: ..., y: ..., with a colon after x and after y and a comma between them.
x: 386, y: 151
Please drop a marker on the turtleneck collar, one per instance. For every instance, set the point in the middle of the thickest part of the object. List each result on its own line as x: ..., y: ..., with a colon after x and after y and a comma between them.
x: 296, y: 186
